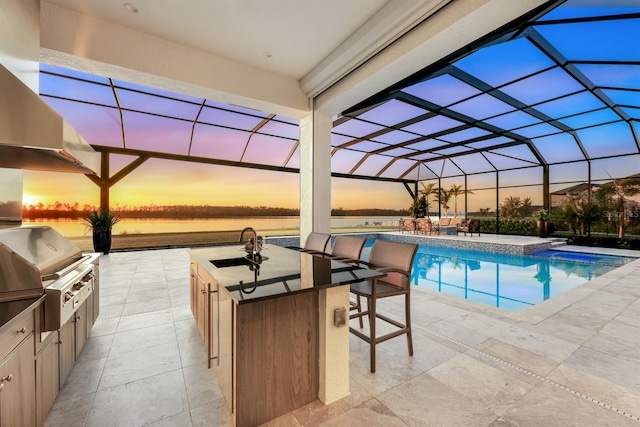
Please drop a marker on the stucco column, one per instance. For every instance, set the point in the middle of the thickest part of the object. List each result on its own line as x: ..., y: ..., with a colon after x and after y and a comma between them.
x: 315, y: 215
x: 315, y: 174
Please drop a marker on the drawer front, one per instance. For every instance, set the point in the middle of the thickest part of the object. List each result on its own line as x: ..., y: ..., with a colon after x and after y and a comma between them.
x: 15, y: 332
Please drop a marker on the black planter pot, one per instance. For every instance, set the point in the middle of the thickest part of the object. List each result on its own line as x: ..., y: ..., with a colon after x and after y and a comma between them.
x: 102, y: 241
x: 542, y: 228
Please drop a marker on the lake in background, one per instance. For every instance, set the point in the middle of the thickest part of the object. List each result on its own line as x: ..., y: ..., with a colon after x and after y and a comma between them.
x: 76, y: 228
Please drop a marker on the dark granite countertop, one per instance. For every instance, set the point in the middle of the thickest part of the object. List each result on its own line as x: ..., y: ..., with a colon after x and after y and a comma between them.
x: 282, y: 272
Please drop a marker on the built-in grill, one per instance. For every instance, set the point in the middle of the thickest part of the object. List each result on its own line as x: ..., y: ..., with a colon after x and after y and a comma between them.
x: 37, y: 260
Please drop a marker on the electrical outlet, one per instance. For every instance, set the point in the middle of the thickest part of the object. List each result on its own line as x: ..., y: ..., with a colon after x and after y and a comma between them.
x: 339, y: 317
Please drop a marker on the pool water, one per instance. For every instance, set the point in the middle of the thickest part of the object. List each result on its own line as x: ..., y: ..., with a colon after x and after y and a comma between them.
x: 509, y: 282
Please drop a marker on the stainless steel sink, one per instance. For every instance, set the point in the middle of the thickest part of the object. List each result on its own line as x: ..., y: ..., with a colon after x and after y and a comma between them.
x: 234, y: 262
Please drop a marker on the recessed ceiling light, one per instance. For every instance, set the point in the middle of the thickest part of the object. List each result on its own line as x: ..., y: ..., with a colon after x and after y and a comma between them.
x: 267, y: 54
x: 131, y: 7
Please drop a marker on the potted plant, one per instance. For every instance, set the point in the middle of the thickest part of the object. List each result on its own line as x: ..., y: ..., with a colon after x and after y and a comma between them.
x: 543, y: 222
x: 101, y: 222
x: 419, y: 207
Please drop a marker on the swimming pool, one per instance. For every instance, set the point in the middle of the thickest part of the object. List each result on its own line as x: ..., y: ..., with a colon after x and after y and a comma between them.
x: 509, y: 282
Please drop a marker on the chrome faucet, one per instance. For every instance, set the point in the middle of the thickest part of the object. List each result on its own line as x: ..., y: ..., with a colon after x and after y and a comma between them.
x: 255, y: 245
x: 254, y: 259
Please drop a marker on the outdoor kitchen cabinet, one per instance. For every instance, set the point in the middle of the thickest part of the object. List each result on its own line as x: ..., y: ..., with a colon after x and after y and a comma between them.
x: 17, y: 372
x: 198, y: 300
x: 47, y: 376
x: 80, y: 329
x: 73, y: 335
x: 67, y: 349
x: 219, y: 339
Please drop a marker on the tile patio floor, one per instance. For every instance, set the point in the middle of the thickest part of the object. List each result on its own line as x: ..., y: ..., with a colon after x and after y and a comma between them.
x: 571, y: 361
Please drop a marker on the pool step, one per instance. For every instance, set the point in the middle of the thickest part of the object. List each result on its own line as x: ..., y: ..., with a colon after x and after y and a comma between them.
x: 558, y: 243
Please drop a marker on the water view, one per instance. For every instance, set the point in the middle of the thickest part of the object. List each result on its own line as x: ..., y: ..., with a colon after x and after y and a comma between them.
x: 77, y: 228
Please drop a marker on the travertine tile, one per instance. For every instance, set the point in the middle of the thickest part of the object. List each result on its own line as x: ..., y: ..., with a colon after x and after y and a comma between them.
x: 425, y: 401
x: 186, y: 329
x: 550, y: 406
x: 104, y: 326
x: 70, y: 413
x: 83, y: 379
x: 518, y: 356
x: 202, y: 386
x: 145, y: 306
x: 571, y: 333
x: 141, y: 402
x: 537, y: 342
x: 211, y: 414
x: 498, y: 389
x: 601, y: 389
x: 183, y: 419
x: 615, y: 346
x: 96, y: 348
x: 365, y: 417
x: 316, y: 412
x: 128, y: 323
x: 286, y: 420
x: 624, y: 328
x: 599, y: 364
x: 138, y: 339
x: 192, y: 351
x: 134, y: 365
x: 427, y: 352
x: 112, y: 311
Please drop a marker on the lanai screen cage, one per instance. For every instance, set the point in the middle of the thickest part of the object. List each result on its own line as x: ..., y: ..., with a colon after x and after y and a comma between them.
x: 549, y: 102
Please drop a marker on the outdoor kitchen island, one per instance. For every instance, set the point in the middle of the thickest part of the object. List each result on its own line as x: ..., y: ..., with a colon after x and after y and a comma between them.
x: 266, y: 338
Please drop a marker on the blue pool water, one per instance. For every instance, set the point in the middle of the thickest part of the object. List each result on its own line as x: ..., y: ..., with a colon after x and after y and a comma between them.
x: 509, y: 282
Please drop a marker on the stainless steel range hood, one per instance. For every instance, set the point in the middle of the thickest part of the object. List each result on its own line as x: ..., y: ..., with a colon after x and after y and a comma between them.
x: 34, y: 136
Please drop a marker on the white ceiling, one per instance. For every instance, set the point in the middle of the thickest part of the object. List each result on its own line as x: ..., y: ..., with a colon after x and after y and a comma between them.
x: 288, y: 37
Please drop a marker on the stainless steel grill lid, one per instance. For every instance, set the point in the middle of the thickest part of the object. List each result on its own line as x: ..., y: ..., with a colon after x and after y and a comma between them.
x: 29, y: 253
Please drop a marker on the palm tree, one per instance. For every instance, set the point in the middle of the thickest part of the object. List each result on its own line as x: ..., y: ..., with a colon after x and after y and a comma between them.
x: 426, y: 191
x: 457, y: 190
x: 622, y: 188
x: 444, y: 197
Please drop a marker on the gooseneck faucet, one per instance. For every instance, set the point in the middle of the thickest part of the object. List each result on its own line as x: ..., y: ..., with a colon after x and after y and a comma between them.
x: 254, y: 244
x: 255, y: 259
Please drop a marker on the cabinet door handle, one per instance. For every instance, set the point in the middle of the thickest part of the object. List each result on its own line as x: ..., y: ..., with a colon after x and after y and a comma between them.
x: 1, y: 387
x: 22, y: 331
x: 8, y: 378
x: 208, y: 325
x: 218, y: 327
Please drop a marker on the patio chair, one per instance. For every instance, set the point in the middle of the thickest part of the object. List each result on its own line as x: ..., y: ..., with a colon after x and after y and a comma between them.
x: 395, y: 259
x: 316, y: 242
x: 408, y: 224
x: 471, y: 226
x: 456, y: 222
x: 348, y: 249
x: 425, y: 226
x: 444, y: 222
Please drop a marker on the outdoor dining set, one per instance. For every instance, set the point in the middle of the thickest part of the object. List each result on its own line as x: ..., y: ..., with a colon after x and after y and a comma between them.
x: 448, y: 226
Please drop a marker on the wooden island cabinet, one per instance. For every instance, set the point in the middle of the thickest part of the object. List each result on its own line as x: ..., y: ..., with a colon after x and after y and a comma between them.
x: 262, y: 336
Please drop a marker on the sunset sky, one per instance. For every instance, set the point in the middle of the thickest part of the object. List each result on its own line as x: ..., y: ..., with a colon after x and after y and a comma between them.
x: 162, y: 182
